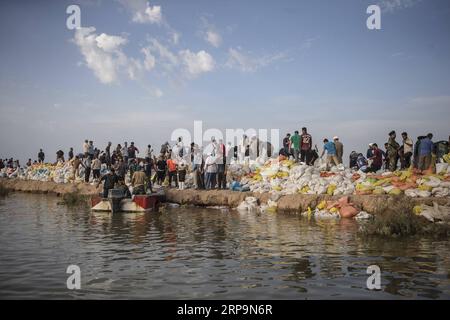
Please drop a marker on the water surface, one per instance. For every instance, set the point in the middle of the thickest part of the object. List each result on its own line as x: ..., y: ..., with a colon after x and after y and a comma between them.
x: 194, y: 253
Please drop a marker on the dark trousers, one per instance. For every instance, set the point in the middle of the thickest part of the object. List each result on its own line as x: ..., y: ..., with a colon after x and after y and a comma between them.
x: 173, y: 176
x: 96, y: 173
x: 161, y: 175
x: 221, y: 177
x: 406, y: 160
x: 87, y: 174
x: 305, y: 156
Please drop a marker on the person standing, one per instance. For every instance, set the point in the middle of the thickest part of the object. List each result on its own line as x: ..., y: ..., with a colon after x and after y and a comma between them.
x: 330, y: 148
x: 86, y: 148
x: 91, y: 149
x: 87, y: 164
x: 41, y: 156
x: 287, y: 145
x: 76, y: 162
x: 295, y: 144
x: 407, y: 151
x: 243, y: 148
x: 210, y: 172
x: 96, y: 167
x: 161, y: 168
x: 196, y: 168
x: 172, y: 168
x: 148, y: 166
x: 221, y: 169
x: 182, y: 167
x: 417, y: 151
x: 125, y: 152
x: 392, y: 151
x: 70, y: 154
x: 132, y: 150
x: 108, y: 155
x: 121, y: 169
x: 425, y: 150
x: 306, y: 146
x: 339, y: 149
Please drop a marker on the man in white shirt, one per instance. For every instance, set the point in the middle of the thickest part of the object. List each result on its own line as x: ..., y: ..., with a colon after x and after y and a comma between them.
x: 407, y: 151
x: 210, y: 172
x: 243, y: 148
x: 197, y: 166
x: 86, y: 147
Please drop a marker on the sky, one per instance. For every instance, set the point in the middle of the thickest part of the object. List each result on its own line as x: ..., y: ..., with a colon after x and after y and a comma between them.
x: 138, y: 70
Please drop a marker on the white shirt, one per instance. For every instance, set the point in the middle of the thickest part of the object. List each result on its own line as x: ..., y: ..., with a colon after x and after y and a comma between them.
x: 210, y: 164
x: 407, y: 148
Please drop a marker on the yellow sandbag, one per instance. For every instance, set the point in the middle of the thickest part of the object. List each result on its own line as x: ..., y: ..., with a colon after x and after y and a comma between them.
x: 417, y: 210
x: 322, y: 205
x: 395, y: 192
x: 305, y: 189
x: 378, y: 191
x: 423, y: 187
x: 334, y: 210
x: 330, y: 189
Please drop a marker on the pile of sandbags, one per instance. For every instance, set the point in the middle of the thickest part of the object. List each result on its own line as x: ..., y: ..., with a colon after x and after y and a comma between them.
x: 286, y: 177
x: 333, y: 210
x: 435, y: 213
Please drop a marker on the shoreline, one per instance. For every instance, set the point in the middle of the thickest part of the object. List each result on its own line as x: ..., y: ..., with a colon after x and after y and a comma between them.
x: 210, y: 198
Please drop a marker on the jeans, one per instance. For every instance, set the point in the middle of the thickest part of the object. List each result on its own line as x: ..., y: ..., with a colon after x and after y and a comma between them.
x: 296, y: 153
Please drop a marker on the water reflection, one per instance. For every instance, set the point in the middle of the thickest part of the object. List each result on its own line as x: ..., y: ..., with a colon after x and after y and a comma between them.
x: 205, y: 253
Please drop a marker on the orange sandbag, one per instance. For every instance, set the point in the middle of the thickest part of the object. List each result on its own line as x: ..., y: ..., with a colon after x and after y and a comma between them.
x: 332, y: 204
x: 348, y: 211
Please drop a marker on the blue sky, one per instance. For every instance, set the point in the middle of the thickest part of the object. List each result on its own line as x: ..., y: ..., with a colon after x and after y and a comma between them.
x: 137, y: 70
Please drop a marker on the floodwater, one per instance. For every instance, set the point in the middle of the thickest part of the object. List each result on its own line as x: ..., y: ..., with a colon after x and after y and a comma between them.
x: 194, y: 253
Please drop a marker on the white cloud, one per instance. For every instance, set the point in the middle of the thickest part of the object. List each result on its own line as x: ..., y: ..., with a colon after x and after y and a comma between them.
x: 197, y: 63
x: 102, y: 53
x: 134, y: 69
x: 175, y: 37
x: 149, y: 60
x: 109, y: 43
x: 163, y: 51
x: 395, y: 5
x: 248, y: 63
x: 142, y: 11
x: 209, y: 33
x: 213, y: 38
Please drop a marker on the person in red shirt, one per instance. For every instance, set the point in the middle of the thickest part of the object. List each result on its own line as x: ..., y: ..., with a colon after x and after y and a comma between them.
x: 377, y: 158
x: 305, y: 146
x: 172, y: 168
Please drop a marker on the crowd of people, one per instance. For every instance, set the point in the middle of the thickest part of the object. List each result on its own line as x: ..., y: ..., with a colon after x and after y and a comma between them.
x: 209, y: 166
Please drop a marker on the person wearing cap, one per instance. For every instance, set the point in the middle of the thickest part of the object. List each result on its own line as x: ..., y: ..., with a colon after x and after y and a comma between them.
x: 339, y: 148
x: 392, y: 151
